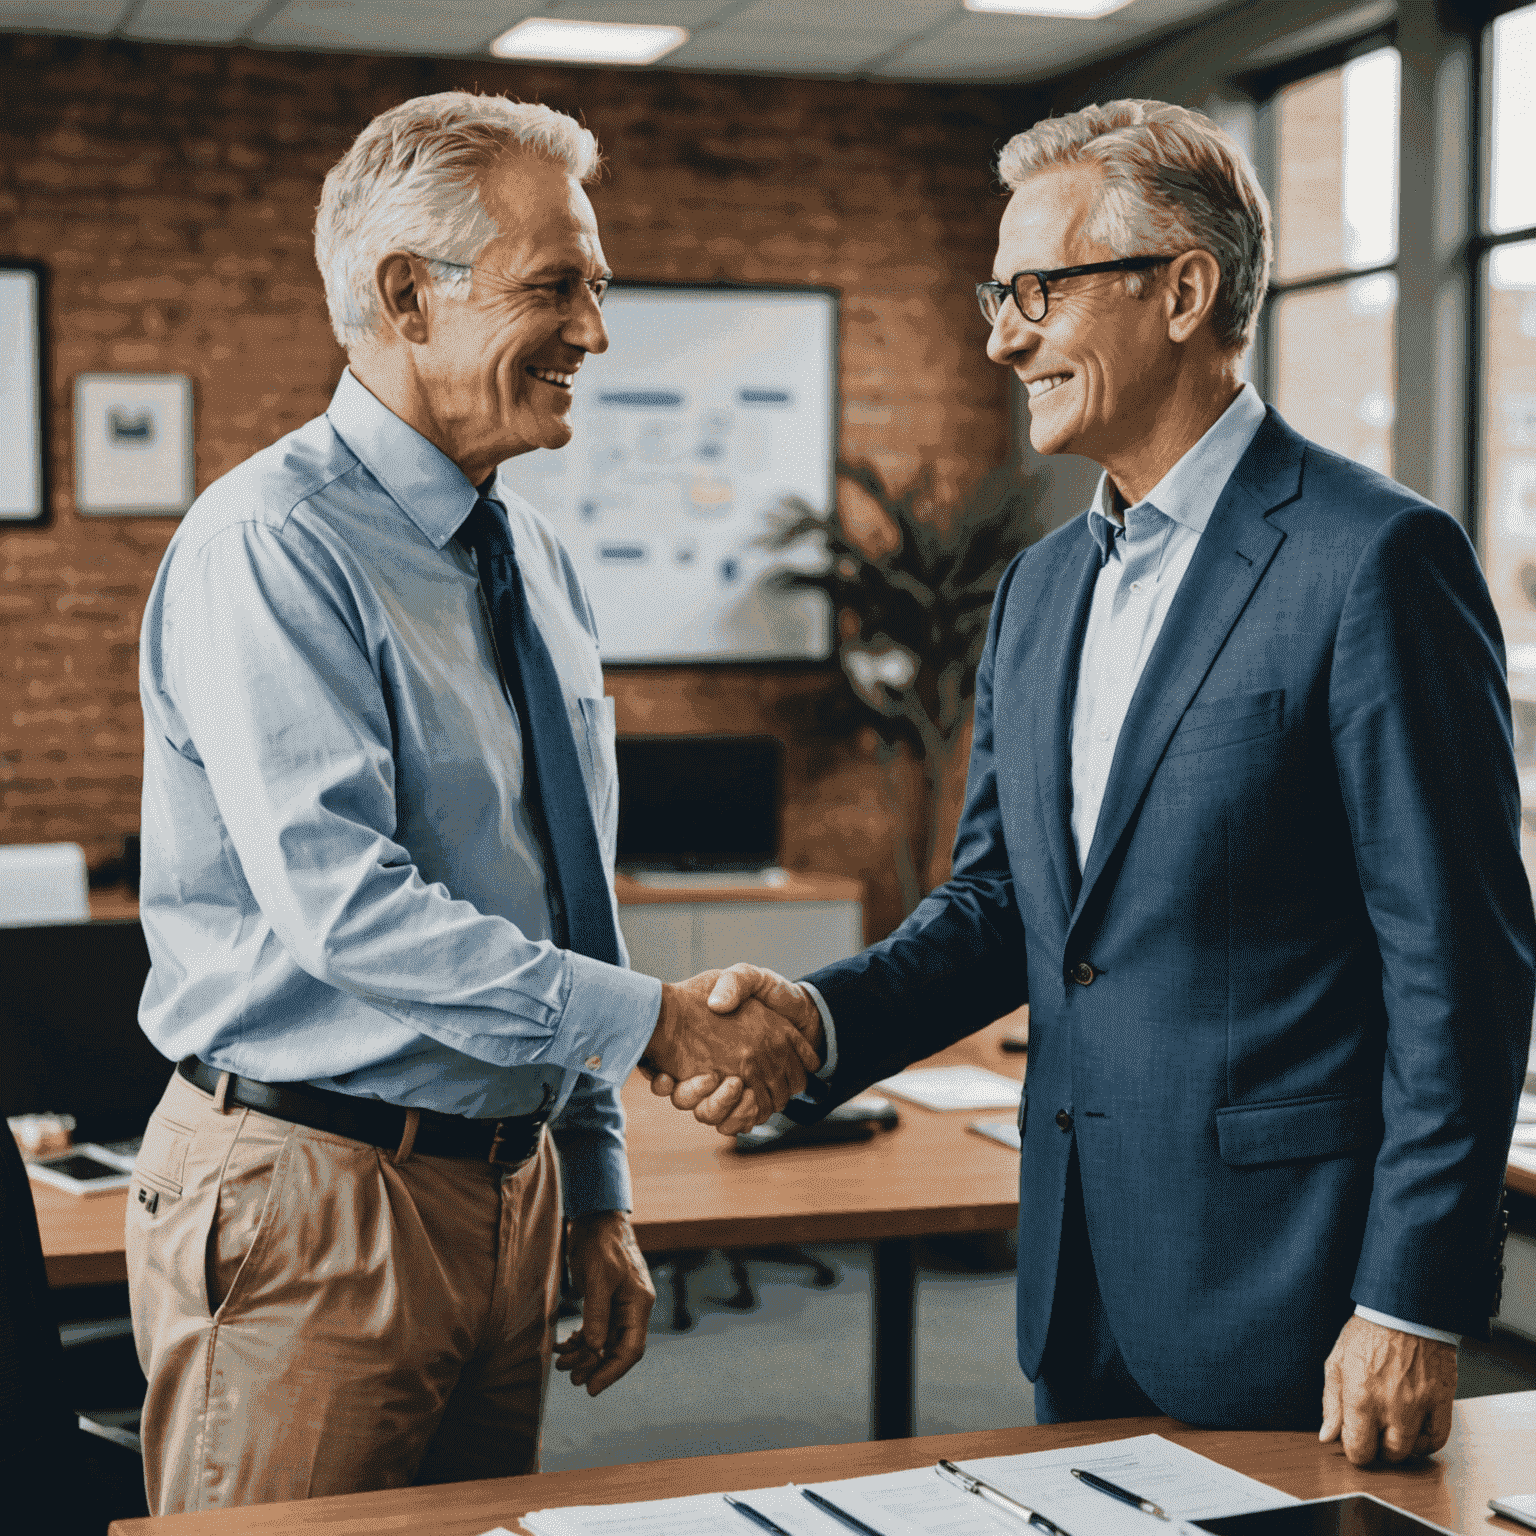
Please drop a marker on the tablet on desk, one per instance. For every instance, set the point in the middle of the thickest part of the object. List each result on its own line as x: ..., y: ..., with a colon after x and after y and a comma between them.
x: 1352, y: 1514
x: 84, y: 1170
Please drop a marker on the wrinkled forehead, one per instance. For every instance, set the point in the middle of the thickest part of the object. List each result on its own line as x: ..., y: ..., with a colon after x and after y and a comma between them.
x: 538, y: 206
x: 1046, y: 220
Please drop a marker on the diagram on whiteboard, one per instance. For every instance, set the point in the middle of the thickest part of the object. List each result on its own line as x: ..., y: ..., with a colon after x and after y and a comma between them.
x: 709, y: 407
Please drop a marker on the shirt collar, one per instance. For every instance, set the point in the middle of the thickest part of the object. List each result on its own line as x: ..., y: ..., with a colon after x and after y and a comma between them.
x: 1188, y: 493
x: 420, y: 478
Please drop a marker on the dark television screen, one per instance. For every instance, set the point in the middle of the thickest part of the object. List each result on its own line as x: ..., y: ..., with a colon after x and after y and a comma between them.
x: 699, y: 802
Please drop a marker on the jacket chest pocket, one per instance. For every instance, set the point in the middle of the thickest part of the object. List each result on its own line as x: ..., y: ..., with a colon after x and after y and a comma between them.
x: 1226, y: 722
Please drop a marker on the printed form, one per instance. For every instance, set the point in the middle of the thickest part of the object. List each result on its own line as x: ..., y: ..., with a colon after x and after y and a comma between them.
x: 918, y: 1502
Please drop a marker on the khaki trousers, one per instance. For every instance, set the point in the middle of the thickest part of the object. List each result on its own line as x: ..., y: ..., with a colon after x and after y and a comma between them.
x: 317, y: 1316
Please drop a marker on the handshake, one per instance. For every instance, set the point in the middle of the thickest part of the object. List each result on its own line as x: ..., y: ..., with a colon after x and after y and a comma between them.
x: 733, y: 1046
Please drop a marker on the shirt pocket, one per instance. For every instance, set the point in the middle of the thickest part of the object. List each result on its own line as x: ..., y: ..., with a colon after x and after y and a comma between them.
x: 596, y: 741
x: 1297, y: 1130
x: 1225, y: 722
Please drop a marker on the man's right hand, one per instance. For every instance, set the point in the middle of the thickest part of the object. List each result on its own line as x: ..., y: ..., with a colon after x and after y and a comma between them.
x: 761, y: 1049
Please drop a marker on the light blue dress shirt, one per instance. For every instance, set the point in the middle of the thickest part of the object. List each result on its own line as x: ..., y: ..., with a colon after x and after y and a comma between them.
x: 340, y: 881
x: 1145, y: 556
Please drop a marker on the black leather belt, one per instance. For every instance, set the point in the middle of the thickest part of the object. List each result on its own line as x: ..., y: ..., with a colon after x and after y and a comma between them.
x: 509, y: 1143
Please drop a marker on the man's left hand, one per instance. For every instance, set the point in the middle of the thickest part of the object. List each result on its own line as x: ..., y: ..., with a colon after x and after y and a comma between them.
x: 616, y: 1294
x: 1387, y: 1393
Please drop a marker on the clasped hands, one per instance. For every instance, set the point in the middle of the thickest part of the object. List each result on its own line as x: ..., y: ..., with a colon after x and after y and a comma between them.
x: 733, y: 1046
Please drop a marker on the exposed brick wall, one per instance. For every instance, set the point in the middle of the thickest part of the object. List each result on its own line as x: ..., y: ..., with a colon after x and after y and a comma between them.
x: 170, y: 192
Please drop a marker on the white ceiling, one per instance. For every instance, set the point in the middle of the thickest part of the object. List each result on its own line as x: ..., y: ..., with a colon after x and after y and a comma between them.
x: 933, y: 40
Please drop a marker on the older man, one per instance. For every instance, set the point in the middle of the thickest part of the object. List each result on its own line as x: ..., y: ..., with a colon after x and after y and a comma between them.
x: 379, y: 821
x: 1242, y: 828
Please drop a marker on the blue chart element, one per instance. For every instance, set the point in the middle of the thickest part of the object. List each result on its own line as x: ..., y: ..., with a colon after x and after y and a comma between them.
x: 646, y: 399
x: 623, y: 554
x: 763, y: 396
x: 729, y: 570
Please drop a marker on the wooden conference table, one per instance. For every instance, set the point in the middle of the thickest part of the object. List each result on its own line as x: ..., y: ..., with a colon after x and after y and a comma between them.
x: 1492, y: 1451
x: 928, y: 1176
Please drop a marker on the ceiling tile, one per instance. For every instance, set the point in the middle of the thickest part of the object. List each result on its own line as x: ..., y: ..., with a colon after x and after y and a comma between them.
x: 797, y: 51
x: 193, y: 21
x: 903, y: 17
x: 91, y: 16
x: 990, y: 47
x: 676, y: 13
x: 393, y: 26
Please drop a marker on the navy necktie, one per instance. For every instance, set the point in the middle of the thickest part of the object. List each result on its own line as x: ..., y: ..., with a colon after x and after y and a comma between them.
x: 553, y: 780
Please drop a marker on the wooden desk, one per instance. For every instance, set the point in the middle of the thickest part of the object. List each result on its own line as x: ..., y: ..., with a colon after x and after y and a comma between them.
x: 692, y: 1190
x: 1492, y: 1451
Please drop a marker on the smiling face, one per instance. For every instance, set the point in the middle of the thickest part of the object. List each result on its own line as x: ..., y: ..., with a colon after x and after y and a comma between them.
x: 1100, y: 362
x: 497, y: 367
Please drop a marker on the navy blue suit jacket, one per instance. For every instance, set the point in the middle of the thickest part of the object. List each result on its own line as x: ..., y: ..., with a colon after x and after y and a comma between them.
x: 1292, y: 1076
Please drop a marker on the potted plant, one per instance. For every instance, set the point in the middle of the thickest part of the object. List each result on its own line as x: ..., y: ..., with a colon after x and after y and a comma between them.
x: 910, y: 584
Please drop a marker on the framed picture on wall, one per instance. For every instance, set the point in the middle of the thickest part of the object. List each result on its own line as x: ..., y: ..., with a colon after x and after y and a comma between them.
x: 23, y: 400
x: 133, y: 444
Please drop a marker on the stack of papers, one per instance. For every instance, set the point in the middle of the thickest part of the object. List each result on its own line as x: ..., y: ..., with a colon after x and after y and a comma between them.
x: 1523, y: 1152
x: 921, y: 1503
x: 955, y: 1088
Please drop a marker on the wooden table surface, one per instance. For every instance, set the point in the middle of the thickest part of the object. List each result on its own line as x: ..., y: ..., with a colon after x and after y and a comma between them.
x: 692, y: 1190
x: 1492, y: 1451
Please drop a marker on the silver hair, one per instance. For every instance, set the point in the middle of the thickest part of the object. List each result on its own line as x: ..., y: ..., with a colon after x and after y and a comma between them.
x: 1172, y: 181
x: 410, y: 182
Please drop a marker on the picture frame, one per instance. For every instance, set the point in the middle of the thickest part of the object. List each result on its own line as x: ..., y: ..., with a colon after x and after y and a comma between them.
x: 133, y: 444
x: 23, y: 393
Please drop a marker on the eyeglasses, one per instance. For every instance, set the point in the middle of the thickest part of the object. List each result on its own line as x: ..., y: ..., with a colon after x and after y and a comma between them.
x: 562, y: 289
x: 1030, y: 291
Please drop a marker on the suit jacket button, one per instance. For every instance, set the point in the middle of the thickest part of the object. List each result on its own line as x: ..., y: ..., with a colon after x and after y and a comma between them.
x: 1063, y: 1119
x: 1083, y: 973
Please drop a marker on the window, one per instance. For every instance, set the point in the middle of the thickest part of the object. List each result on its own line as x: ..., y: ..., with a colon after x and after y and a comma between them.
x: 1331, y: 318
x: 1507, y: 248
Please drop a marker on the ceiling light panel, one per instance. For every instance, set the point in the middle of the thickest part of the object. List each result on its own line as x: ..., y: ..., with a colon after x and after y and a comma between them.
x: 192, y: 21
x: 390, y: 26
x: 1082, y: 9
x: 570, y: 41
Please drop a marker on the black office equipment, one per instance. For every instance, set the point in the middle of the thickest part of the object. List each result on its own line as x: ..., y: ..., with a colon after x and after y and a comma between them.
x: 69, y: 1032
x: 1353, y: 1514
x: 699, y: 802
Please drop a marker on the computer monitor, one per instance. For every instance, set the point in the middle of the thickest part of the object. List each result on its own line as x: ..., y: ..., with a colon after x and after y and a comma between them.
x: 699, y: 802
x: 69, y: 1027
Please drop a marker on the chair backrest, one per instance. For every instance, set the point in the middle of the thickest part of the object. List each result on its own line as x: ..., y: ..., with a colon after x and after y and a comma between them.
x: 43, y: 883
x: 69, y: 1027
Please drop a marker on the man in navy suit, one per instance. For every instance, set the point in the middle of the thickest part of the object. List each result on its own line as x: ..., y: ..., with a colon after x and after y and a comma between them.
x: 1242, y: 827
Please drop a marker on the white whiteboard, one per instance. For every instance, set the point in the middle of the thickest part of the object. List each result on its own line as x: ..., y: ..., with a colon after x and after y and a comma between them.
x: 709, y: 407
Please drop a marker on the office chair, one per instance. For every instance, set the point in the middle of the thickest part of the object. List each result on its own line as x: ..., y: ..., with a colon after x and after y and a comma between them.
x: 54, y: 1475
x: 680, y: 1263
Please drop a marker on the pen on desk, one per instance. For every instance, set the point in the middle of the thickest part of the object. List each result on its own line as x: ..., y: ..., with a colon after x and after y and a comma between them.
x: 998, y: 1499
x: 851, y: 1521
x: 1116, y: 1492
x: 743, y: 1508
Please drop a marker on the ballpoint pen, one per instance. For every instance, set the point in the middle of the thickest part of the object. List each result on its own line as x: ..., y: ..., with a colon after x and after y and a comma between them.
x: 757, y: 1518
x: 1116, y: 1492
x: 998, y: 1499
x: 851, y: 1521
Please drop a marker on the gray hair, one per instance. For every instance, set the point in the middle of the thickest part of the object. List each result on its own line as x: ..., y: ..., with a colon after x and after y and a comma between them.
x: 410, y: 182
x: 1172, y: 180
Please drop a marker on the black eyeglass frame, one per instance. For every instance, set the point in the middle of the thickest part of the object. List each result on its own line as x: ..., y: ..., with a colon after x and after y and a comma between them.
x: 992, y: 289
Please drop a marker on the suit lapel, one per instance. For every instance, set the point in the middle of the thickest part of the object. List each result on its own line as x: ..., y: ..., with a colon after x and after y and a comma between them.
x: 1228, y: 563
x: 1062, y: 625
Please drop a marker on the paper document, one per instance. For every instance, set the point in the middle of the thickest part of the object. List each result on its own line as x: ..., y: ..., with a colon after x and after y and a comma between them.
x: 1523, y: 1157
x: 699, y: 1514
x: 1187, y: 1485
x: 955, y: 1088
x: 1526, y: 1114
x: 1005, y: 1131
